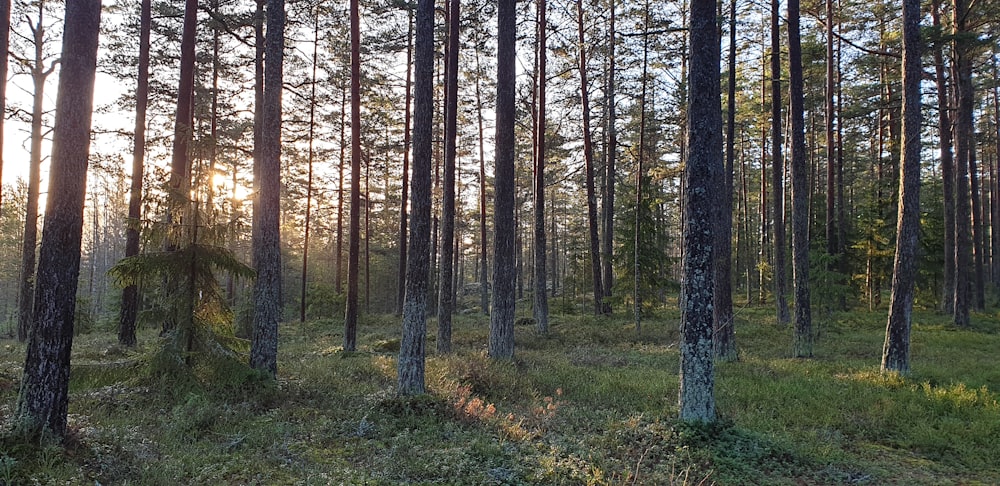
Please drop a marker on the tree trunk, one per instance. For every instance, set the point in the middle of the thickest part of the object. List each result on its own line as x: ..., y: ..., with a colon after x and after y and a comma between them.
x: 29, y: 242
x: 401, y: 285
x: 339, y: 278
x: 484, y: 292
x: 501, y: 340
x: 354, y: 225
x: 267, y: 242
x: 963, y: 139
x: 309, y: 172
x: 4, y: 47
x: 636, y: 267
x: 588, y: 156
x: 610, y: 174
x: 832, y: 243
x: 446, y: 302
x: 702, y: 172
x: 540, y: 309
x: 724, y: 332
x: 896, y: 351
x: 803, y: 342
x: 44, y: 398
x: 978, y: 245
x: 130, y: 295
x: 777, y: 172
x: 412, y: 345
x: 947, y: 170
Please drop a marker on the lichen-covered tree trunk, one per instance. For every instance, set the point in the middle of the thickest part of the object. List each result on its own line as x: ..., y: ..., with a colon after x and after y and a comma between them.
x: 702, y: 173
x: 44, y: 397
x: 896, y: 351
x: 130, y: 294
x: 446, y: 302
x: 267, y: 207
x: 803, y: 341
x: 501, y: 340
x: 410, y: 374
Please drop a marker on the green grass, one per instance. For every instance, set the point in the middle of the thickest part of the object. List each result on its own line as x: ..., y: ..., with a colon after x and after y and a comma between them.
x: 591, y: 403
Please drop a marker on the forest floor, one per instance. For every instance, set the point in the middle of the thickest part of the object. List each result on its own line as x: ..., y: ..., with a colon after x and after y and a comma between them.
x: 590, y: 403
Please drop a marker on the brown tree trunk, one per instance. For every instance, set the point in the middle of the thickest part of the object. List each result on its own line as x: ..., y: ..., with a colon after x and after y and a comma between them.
x: 702, y: 172
x: 610, y: 173
x: 963, y: 147
x: 724, y: 333
x: 354, y: 225
x: 484, y: 292
x: 588, y: 156
x: 267, y: 234
x: 947, y: 170
x: 446, y: 303
x: 309, y: 171
x: 777, y: 172
x: 130, y: 295
x: 501, y: 340
x: 803, y: 342
x: 4, y: 47
x: 44, y: 399
x: 540, y: 309
x: 412, y: 344
x: 896, y: 351
x: 29, y: 242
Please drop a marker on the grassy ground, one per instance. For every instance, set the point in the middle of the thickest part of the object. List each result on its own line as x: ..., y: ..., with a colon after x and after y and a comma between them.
x: 591, y: 403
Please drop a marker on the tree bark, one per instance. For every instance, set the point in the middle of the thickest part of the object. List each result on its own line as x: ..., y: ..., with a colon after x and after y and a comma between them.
x: 803, y: 342
x: 267, y: 238
x: 610, y: 174
x: 446, y: 303
x: 354, y: 225
x: 412, y: 346
x: 725, y: 333
x: 540, y: 309
x: 501, y: 340
x: 947, y: 169
x: 44, y: 396
x: 484, y: 292
x: 963, y: 138
x: 702, y: 173
x: 309, y: 171
x: 896, y: 351
x: 588, y: 157
x: 130, y: 295
x: 4, y: 47
x: 29, y: 242
x: 777, y: 172
x: 401, y: 285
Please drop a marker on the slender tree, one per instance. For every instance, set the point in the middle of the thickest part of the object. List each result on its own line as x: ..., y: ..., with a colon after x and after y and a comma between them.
x: 267, y: 187
x: 896, y: 351
x: 29, y: 242
x: 405, y: 190
x: 724, y: 332
x: 610, y: 174
x: 540, y: 310
x: 777, y: 171
x: 947, y: 169
x: 309, y: 168
x: 484, y: 292
x: 702, y: 173
x: 588, y: 159
x: 501, y: 341
x: 963, y: 138
x: 446, y: 303
x: 411, y: 347
x: 4, y: 47
x: 803, y: 342
x: 354, y: 225
x: 130, y: 295
x: 44, y: 397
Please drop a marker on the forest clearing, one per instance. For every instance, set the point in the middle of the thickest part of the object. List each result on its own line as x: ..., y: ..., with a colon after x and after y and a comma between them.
x: 591, y: 403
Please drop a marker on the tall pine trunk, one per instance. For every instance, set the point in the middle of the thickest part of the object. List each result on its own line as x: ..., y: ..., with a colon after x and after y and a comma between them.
x: 43, y: 401
x: 803, y: 342
x: 896, y: 351
x: 777, y: 172
x: 354, y: 224
x: 724, y: 332
x: 947, y: 170
x: 540, y: 309
x: 267, y: 205
x: 446, y: 302
x: 588, y: 157
x: 963, y: 140
x: 610, y: 173
x: 130, y: 295
x: 501, y: 339
x: 405, y: 190
x: 4, y: 47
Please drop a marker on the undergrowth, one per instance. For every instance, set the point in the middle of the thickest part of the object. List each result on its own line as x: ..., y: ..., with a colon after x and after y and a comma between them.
x: 589, y: 403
